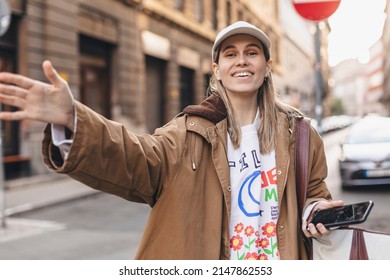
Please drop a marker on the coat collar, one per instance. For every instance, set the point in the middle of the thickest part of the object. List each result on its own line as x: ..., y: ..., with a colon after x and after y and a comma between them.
x: 212, y: 109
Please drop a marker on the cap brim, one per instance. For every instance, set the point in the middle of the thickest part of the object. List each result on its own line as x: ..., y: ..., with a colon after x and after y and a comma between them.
x: 244, y: 30
x: 241, y: 27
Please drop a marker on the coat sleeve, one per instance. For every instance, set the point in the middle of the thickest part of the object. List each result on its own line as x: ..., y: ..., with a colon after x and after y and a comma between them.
x: 107, y: 157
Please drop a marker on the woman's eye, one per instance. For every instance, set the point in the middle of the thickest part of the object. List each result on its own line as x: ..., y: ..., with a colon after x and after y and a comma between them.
x: 230, y: 55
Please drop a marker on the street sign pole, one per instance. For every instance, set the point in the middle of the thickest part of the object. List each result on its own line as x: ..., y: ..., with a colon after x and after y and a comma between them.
x: 318, y: 76
x: 316, y: 11
x: 2, y: 195
x: 5, y: 21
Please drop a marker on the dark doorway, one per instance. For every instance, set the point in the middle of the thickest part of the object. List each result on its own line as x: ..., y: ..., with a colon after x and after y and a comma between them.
x: 15, y: 165
x: 95, y: 75
x: 186, y: 87
x: 155, y: 92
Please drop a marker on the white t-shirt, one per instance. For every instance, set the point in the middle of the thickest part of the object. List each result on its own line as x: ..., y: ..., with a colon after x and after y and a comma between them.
x: 254, y: 198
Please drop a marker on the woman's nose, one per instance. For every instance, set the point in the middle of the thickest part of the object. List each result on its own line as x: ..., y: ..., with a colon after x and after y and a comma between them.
x: 241, y: 60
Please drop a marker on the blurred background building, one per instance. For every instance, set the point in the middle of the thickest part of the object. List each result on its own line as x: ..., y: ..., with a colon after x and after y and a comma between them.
x: 375, y: 74
x: 298, y: 58
x: 363, y: 88
x: 386, y: 63
x: 349, y: 87
x: 140, y: 62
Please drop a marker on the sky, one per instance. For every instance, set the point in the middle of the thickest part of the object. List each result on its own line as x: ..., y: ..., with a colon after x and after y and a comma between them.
x: 355, y: 27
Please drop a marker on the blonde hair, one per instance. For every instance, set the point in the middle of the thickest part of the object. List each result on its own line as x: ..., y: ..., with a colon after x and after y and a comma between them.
x: 269, y: 105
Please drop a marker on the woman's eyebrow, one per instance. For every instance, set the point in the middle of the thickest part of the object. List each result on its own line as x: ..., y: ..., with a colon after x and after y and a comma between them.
x: 247, y: 46
x: 228, y: 47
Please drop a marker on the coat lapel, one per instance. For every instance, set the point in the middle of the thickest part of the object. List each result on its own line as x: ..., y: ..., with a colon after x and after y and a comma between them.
x: 283, y: 154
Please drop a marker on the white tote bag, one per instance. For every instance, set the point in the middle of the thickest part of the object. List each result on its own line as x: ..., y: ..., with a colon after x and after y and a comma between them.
x: 352, y: 244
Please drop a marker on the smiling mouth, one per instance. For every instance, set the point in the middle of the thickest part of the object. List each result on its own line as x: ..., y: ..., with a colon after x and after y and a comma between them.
x: 242, y: 74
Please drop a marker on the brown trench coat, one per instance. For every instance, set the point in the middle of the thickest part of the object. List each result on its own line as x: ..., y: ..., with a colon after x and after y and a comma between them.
x: 182, y: 172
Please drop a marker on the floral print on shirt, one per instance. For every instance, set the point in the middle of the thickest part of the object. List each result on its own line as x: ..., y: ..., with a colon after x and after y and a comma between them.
x: 249, y: 244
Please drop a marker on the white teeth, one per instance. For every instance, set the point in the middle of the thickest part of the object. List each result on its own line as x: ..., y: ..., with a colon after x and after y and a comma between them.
x: 243, y: 74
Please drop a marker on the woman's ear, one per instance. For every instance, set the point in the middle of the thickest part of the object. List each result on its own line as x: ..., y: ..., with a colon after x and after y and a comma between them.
x: 216, y: 71
x: 269, y: 65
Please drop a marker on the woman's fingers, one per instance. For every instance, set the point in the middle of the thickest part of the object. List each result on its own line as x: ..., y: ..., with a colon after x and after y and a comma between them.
x: 316, y: 231
x: 328, y: 204
x: 51, y: 74
x: 12, y: 116
x: 13, y: 100
x: 50, y: 102
x: 15, y: 79
x: 13, y: 90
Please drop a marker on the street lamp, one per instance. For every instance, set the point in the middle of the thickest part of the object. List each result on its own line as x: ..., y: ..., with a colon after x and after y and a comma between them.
x: 5, y: 21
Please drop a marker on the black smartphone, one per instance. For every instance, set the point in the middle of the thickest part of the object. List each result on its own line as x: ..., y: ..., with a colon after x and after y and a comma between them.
x: 342, y: 216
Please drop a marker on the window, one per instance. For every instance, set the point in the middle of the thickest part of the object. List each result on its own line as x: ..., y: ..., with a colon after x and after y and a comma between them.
x: 186, y: 87
x: 199, y: 10
x: 179, y: 5
x: 95, y: 75
x: 214, y: 11
x: 228, y: 12
x: 156, y: 70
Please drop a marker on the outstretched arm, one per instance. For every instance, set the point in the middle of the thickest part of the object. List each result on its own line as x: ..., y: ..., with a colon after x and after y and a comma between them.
x: 47, y: 102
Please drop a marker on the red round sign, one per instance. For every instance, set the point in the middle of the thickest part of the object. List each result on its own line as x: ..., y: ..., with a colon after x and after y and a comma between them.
x: 316, y: 10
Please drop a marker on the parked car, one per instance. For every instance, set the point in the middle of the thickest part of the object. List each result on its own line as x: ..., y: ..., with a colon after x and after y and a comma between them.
x: 365, y: 154
x: 332, y: 123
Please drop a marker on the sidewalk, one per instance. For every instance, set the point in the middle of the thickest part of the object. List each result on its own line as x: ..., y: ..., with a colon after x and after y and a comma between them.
x: 36, y: 192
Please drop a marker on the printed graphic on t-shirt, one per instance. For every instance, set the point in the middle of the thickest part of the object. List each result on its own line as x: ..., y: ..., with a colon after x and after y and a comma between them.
x: 254, y: 233
x: 254, y: 200
x: 249, y: 244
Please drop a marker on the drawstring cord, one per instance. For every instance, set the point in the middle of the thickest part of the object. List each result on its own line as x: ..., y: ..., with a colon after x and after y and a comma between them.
x: 192, y: 147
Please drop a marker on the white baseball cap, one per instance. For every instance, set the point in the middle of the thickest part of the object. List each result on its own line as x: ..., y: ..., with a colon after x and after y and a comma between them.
x: 240, y: 27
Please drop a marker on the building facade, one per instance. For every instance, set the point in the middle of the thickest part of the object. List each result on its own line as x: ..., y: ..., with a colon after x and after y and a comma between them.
x: 296, y: 83
x: 140, y: 62
x: 375, y: 73
x: 359, y: 85
x: 135, y: 61
x: 350, y: 86
x: 364, y: 88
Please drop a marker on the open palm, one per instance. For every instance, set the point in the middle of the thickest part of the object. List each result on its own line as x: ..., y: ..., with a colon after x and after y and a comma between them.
x: 47, y: 102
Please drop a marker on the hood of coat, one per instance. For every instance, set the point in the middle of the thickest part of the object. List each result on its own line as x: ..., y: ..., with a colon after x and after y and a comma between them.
x: 212, y: 109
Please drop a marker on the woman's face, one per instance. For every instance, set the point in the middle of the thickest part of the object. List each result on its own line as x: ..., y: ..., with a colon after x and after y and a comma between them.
x: 241, y: 66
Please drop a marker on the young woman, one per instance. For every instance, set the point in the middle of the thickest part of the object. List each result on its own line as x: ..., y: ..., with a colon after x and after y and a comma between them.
x: 219, y: 177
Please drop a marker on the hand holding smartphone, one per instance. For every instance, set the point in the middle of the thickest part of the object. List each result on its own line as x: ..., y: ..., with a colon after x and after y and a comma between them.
x: 342, y: 216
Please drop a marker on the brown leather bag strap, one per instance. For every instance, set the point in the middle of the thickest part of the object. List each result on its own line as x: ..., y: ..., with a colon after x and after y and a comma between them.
x: 302, y: 162
x: 358, y: 246
x: 301, y: 174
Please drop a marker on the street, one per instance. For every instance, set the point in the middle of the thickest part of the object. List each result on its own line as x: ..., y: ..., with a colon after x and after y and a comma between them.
x: 106, y: 227
x: 101, y: 226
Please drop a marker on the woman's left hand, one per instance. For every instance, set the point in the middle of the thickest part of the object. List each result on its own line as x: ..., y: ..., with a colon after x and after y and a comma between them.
x: 318, y: 230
